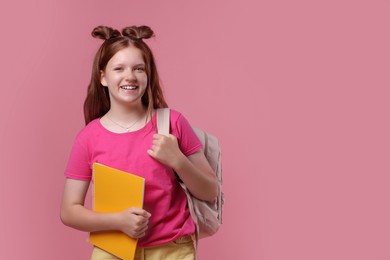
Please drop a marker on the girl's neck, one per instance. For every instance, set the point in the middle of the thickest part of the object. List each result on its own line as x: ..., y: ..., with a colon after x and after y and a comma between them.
x: 127, y: 114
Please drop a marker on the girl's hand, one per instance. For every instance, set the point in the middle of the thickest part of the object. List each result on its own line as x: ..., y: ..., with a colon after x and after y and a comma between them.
x: 134, y: 222
x: 165, y: 149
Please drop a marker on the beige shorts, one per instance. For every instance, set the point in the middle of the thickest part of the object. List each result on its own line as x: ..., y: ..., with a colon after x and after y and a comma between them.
x: 182, y: 248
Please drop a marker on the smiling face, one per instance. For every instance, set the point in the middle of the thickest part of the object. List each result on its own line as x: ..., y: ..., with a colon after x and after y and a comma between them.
x: 125, y: 76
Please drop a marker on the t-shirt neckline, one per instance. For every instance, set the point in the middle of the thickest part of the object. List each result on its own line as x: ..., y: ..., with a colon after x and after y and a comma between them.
x: 146, y: 127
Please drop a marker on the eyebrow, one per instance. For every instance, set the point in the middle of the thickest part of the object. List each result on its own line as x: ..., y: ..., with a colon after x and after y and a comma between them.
x: 121, y: 64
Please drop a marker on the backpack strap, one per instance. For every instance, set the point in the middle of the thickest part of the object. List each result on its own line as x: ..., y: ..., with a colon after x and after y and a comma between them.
x: 163, y: 121
x: 163, y: 125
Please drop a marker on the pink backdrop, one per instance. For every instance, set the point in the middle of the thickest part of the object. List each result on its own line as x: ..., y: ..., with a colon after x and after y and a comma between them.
x: 297, y: 92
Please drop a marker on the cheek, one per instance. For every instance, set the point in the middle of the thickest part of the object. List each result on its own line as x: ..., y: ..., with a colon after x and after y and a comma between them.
x: 144, y: 79
x: 110, y: 79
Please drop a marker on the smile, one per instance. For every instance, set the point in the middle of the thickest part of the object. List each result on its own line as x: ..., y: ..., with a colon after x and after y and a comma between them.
x: 128, y: 87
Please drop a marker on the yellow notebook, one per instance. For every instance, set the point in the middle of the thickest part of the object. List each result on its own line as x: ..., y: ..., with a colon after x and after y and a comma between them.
x: 115, y: 191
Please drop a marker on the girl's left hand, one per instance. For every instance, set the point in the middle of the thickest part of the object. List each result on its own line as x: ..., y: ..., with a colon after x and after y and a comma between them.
x: 165, y: 149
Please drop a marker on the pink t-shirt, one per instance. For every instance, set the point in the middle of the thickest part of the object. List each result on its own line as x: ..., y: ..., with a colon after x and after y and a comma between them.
x: 163, y: 198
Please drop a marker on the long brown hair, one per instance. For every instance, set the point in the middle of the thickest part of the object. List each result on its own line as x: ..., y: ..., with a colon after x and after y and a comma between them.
x: 97, y: 102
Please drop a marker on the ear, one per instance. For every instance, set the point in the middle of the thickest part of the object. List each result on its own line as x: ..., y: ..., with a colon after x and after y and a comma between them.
x: 103, y: 79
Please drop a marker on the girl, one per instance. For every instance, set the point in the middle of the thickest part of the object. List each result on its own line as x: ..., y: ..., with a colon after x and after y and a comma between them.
x: 120, y: 132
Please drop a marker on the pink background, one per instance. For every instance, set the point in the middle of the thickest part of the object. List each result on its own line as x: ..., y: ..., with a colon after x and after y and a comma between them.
x: 296, y: 91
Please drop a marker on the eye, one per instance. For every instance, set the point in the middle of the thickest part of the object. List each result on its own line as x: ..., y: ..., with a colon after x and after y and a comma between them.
x: 140, y: 69
x: 118, y: 68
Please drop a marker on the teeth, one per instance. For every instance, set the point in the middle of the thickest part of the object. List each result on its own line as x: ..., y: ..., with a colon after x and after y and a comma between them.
x: 129, y: 87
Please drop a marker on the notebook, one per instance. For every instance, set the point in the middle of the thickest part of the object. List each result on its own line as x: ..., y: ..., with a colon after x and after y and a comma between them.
x: 114, y: 191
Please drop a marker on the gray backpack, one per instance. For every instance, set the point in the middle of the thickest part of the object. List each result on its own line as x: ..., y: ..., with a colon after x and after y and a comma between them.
x: 206, y: 215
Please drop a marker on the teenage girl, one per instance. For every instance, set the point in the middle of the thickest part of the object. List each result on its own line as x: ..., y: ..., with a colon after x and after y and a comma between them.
x: 120, y: 132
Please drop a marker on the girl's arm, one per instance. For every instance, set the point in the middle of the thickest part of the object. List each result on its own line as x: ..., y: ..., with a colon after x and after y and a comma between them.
x: 196, y: 173
x: 132, y: 221
x: 193, y: 170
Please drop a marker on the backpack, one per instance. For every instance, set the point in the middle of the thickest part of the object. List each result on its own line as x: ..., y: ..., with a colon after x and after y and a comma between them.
x: 206, y: 215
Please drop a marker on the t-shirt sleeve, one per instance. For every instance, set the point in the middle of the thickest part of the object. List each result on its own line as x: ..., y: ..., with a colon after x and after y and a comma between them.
x: 188, y: 141
x: 79, y: 167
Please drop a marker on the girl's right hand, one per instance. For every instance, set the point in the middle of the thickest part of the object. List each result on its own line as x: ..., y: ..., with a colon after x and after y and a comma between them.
x: 134, y: 222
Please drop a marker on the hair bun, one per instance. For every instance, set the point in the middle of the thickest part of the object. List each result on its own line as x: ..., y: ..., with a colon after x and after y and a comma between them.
x: 138, y: 32
x: 105, y: 32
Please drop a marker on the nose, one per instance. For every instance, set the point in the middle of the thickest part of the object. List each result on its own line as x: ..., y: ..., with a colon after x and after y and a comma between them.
x: 129, y: 74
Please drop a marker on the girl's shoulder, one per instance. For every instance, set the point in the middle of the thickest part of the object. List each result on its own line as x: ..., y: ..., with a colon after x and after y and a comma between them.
x: 175, y: 115
x: 179, y: 122
x: 90, y: 130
